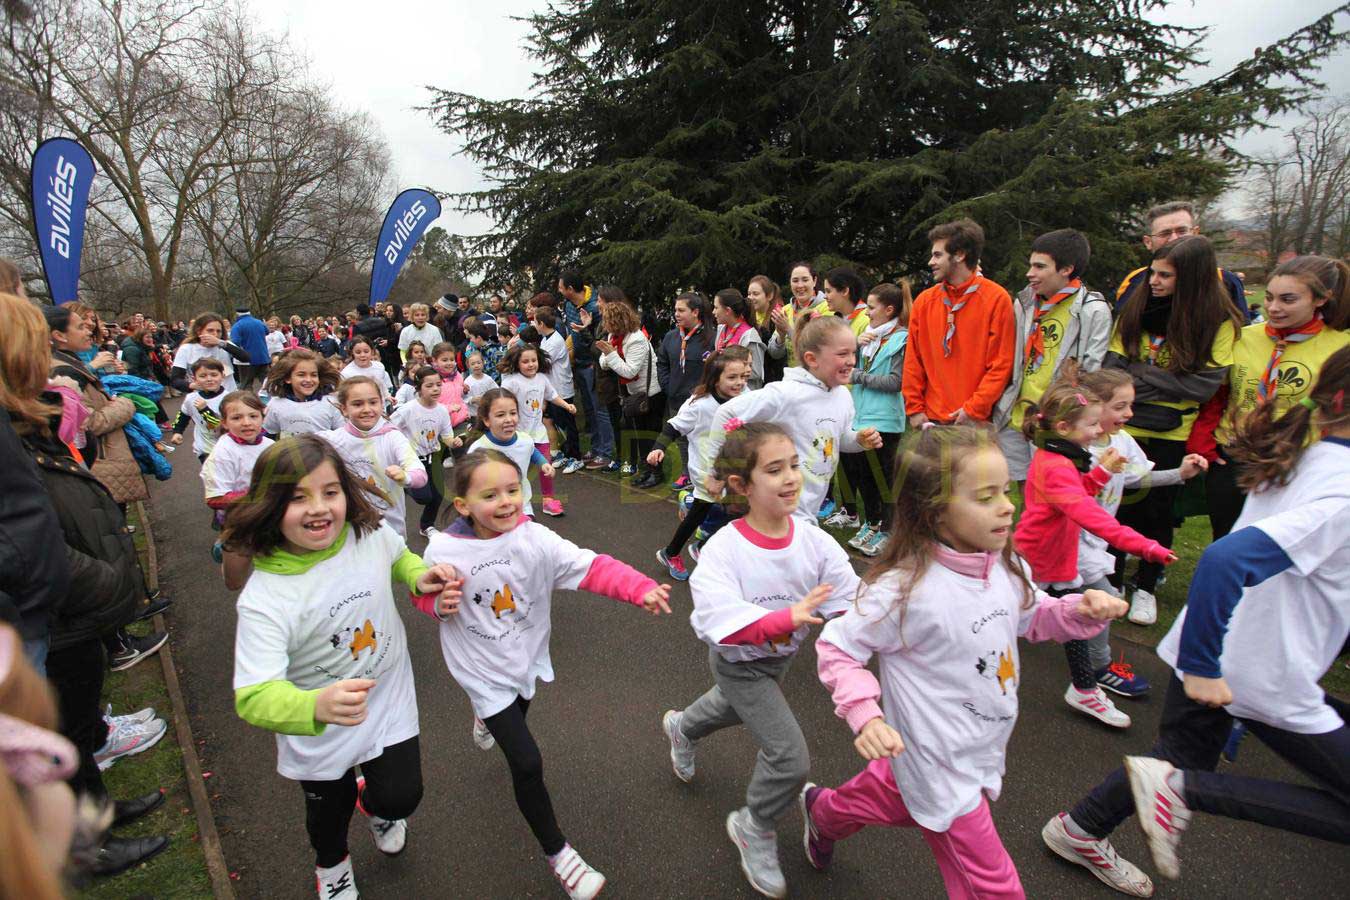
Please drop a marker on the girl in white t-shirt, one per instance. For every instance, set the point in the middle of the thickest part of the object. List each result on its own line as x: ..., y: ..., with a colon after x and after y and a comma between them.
x: 496, y: 641
x: 524, y: 370
x: 366, y: 362
x: 426, y: 425
x: 298, y: 386
x: 943, y: 607
x: 1267, y: 615
x: 476, y: 383
x: 228, y: 468
x: 757, y: 588
x: 498, y: 418
x: 376, y: 452
x: 206, y: 337
x: 725, y: 374
x: 317, y: 630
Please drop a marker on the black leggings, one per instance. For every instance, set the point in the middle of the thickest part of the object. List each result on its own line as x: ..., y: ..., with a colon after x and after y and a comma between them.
x: 869, y: 486
x: 393, y: 790
x: 432, y: 493
x: 1223, y: 496
x: 698, y: 511
x: 527, y: 774
x: 1149, y: 511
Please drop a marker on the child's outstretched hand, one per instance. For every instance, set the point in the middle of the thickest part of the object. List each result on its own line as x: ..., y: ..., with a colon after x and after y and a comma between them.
x: 877, y: 740
x: 1112, y: 461
x: 546, y: 469
x: 1192, y: 464
x: 570, y: 407
x: 343, y: 702
x: 444, y: 581
x: 396, y: 473
x: 654, y: 458
x: 1101, y: 605
x: 655, y: 600
x: 870, y: 438
x: 457, y: 442
x: 176, y: 439
x: 713, y: 485
x: 804, y: 610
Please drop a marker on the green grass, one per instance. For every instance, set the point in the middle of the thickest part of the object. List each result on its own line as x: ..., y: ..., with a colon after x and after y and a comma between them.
x: 180, y: 871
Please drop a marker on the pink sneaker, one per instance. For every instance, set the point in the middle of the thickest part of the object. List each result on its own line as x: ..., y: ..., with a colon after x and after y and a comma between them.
x: 552, y: 507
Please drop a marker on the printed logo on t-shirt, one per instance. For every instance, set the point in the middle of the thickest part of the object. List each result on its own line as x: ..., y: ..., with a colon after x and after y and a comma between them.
x: 1051, y: 335
x: 779, y: 640
x: 1292, y: 381
x: 510, y: 613
x: 821, y: 463
x: 998, y: 666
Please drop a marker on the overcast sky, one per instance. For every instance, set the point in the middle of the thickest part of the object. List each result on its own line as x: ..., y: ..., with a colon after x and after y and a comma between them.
x: 381, y: 64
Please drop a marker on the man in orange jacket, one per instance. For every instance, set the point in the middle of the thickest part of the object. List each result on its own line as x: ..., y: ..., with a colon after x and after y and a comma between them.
x: 961, y: 334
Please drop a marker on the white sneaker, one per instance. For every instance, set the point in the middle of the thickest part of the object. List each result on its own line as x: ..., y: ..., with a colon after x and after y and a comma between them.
x: 759, y: 855
x: 428, y: 531
x: 1162, y: 813
x: 578, y: 879
x: 337, y: 883
x: 1097, y: 705
x: 859, y: 540
x: 1098, y: 857
x: 128, y: 739
x: 842, y: 519
x: 681, y: 748
x: 139, y: 717
x: 391, y: 835
x: 482, y: 738
x: 1143, y: 608
x: 875, y: 543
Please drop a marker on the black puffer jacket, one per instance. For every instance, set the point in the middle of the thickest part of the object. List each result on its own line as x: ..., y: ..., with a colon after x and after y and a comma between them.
x: 105, y: 579
x: 34, y: 580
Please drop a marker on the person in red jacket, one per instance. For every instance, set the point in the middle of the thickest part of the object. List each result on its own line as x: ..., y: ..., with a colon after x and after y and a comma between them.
x: 961, y: 334
x: 1058, y: 498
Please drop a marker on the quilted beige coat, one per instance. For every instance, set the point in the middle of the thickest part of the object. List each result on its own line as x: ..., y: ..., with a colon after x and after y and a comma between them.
x: 114, y: 466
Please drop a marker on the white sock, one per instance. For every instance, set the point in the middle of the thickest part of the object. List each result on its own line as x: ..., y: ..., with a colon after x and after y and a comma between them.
x: 1177, y: 782
x: 1076, y: 830
x: 760, y: 825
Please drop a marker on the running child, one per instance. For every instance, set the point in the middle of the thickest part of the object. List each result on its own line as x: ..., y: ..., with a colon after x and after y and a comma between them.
x: 812, y: 402
x: 377, y: 453
x: 758, y: 587
x: 476, y: 383
x: 452, y: 385
x: 499, y: 419
x: 1058, y: 506
x: 426, y: 425
x: 201, y: 407
x: 943, y: 607
x: 206, y: 337
x: 496, y: 641
x: 1267, y: 614
x: 319, y: 643
x: 725, y: 375
x: 1115, y: 389
x: 417, y: 357
x: 227, y: 470
x: 525, y: 371
x: 553, y: 345
x: 366, y: 363
x: 298, y: 386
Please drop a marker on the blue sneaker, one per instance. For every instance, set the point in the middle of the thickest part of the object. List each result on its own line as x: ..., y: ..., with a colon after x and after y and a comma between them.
x: 826, y: 509
x: 674, y: 565
x: 218, y: 552
x: 1119, y: 678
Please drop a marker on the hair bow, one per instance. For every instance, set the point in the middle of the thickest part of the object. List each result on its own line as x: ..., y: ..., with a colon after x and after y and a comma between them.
x: 1082, y: 401
x: 732, y: 424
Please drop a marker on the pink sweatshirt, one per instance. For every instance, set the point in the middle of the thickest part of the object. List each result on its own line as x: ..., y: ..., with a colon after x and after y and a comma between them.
x: 452, y: 396
x: 856, y: 691
x: 1059, y: 504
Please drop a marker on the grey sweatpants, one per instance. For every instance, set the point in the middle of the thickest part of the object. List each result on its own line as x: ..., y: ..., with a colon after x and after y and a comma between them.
x: 750, y: 693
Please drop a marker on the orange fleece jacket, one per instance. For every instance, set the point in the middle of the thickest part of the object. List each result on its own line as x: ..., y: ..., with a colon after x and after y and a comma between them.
x: 983, y: 348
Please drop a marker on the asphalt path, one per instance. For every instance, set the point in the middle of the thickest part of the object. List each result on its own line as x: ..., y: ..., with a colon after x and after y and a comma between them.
x: 607, y: 764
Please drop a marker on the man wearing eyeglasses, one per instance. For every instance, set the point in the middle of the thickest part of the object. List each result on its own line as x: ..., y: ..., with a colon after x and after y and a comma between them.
x: 1168, y: 222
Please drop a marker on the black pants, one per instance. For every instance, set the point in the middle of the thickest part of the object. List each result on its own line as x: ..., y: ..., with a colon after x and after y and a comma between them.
x: 566, y: 423
x: 634, y: 436
x: 76, y: 673
x: 1149, y: 510
x: 393, y: 790
x: 698, y: 511
x: 247, y: 376
x: 1223, y: 496
x: 432, y: 493
x: 1191, y: 737
x: 869, y: 490
x: 527, y: 773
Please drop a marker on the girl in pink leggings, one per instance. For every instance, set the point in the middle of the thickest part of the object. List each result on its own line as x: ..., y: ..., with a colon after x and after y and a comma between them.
x: 943, y: 607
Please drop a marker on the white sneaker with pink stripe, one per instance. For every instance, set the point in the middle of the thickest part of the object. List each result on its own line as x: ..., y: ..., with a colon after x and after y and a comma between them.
x: 578, y: 879
x: 1098, y: 857
x: 1095, y: 703
x: 1162, y: 812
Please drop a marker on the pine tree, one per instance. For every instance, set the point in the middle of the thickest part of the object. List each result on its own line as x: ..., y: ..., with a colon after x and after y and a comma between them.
x: 696, y: 143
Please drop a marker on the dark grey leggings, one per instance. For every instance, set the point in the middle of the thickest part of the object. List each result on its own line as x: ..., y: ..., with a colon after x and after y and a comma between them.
x: 393, y: 790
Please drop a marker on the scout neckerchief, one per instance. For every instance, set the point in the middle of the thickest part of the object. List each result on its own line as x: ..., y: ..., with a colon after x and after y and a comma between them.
x: 1283, y: 337
x: 731, y: 337
x: 1035, y: 349
x: 883, y: 333
x: 950, y: 297
x: 1155, y: 345
x: 857, y: 311
x: 684, y: 341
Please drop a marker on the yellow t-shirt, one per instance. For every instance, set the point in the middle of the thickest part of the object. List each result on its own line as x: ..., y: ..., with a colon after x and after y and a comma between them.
x: 790, y: 311
x: 1294, y: 377
x: 1221, y: 356
x: 1035, y: 383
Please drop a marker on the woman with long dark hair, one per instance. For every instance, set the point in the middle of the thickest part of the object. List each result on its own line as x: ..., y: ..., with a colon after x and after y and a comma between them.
x: 1175, y: 337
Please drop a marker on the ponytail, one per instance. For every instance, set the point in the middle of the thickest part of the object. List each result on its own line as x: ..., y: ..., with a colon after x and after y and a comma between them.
x: 1268, y: 447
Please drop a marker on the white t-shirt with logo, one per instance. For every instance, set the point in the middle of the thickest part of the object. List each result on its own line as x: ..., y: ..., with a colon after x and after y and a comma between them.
x: 423, y: 426
x: 743, y: 575
x: 337, y: 620
x: 694, y: 420
x: 949, y: 670
x: 203, y: 435
x: 368, y: 457
x: 286, y: 417
x: 229, y: 468
x: 560, y: 364
x: 1287, y: 631
x: 532, y: 394
x: 475, y: 388
x: 497, y: 646
x: 375, y: 371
